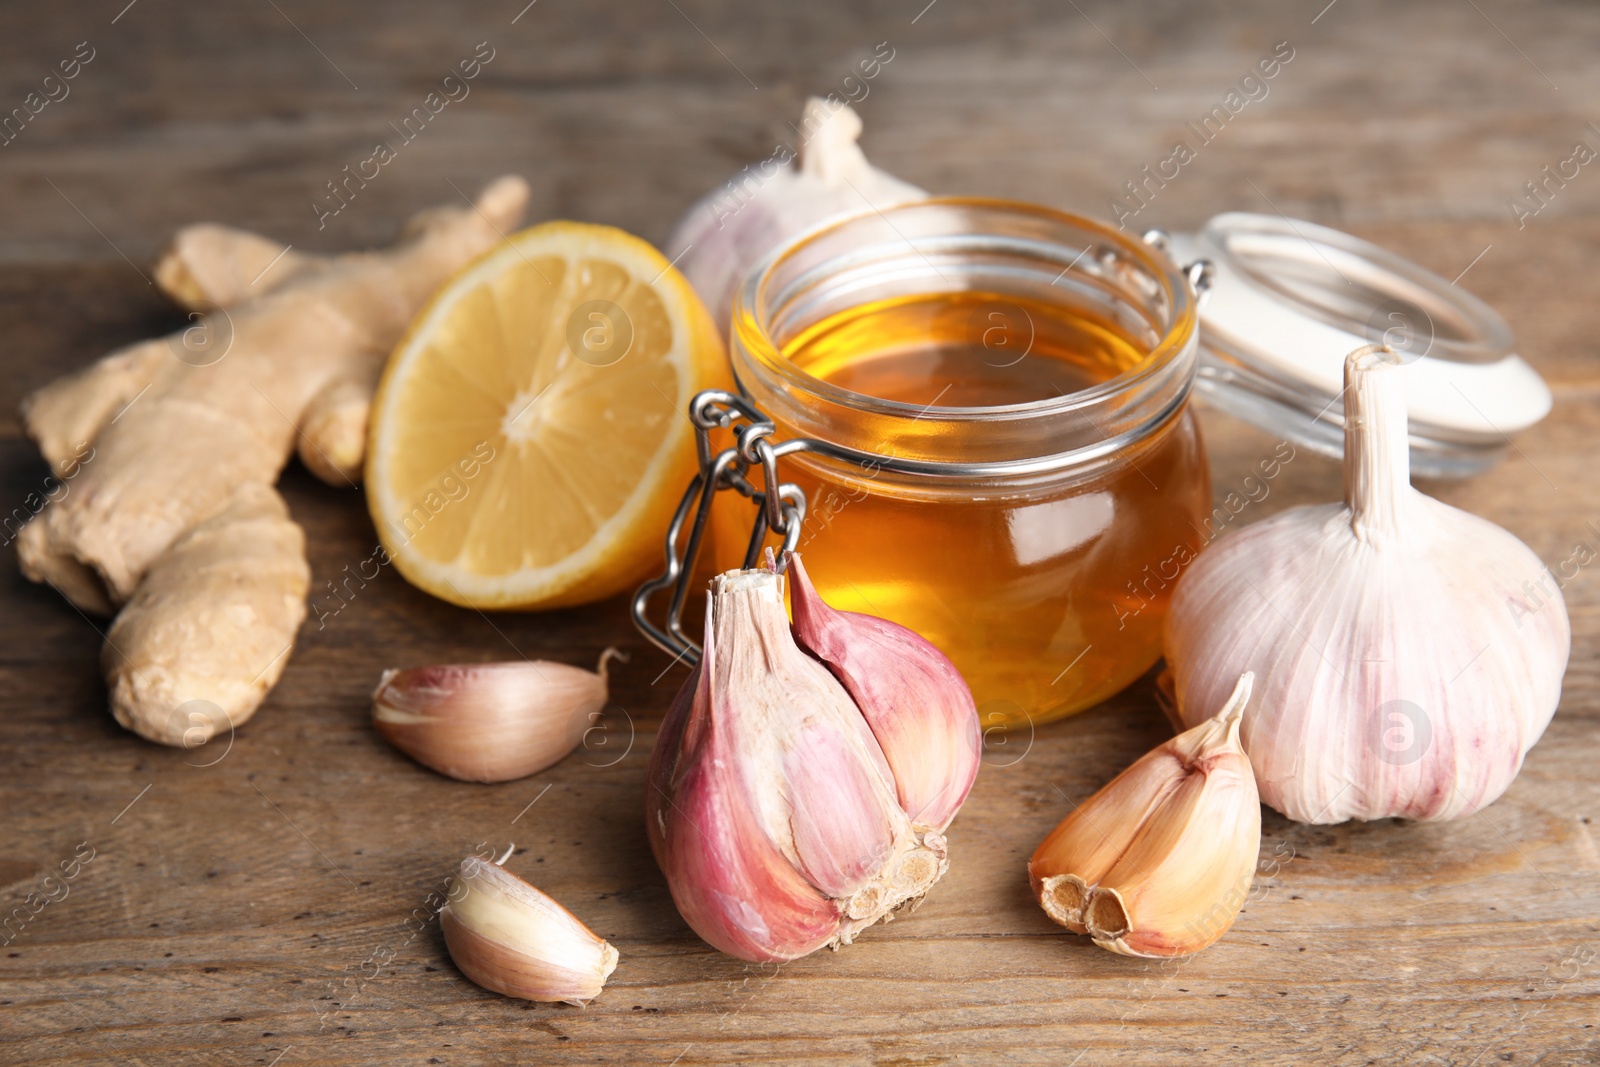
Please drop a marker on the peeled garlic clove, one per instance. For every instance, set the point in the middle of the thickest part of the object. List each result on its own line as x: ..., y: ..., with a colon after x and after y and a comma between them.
x: 732, y: 227
x: 917, y: 703
x: 771, y: 808
x: 1159, y: 861
x: 1409, y: 654
x: 507, y: 936
x: 488, y: 722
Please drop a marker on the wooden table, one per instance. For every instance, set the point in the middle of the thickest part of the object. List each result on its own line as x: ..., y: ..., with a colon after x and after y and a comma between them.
x: 237, y: 902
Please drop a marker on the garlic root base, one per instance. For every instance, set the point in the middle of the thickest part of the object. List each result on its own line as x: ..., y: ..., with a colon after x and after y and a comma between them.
x: 902, y: 884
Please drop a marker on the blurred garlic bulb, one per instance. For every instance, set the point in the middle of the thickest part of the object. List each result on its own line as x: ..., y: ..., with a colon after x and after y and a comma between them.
x: 775, y: 804
x: 1404, y: 664
x: 728, y: 230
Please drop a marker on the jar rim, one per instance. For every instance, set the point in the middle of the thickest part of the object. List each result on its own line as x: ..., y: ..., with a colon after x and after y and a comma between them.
x: 1149, y: 391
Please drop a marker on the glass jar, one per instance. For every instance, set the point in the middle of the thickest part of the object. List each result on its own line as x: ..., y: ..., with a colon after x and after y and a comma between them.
x: 1009, y: 464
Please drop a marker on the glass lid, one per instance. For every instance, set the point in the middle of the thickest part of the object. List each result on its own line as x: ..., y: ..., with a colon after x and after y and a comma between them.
x: 1289, y: 299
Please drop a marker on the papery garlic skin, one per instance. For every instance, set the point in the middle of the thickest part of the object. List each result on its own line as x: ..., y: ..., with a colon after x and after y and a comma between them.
x: 1160, y: 860
x: 916, y: 702
x: 488, y: 722
x: 508, y: 937
x: 771, y: 808
x: 731, y: 228
x: 1404, y: 666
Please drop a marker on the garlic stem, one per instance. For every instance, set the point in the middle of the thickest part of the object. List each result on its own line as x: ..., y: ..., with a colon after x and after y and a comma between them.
x: 1223, y: 727
x: 1377, y: 450
x: 612, y: 652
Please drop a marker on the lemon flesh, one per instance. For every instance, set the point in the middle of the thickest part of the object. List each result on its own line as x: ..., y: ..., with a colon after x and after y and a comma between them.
x: 528, y: 440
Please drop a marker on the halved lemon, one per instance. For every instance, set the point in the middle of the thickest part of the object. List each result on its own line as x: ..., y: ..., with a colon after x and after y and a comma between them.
x: 529, y: 439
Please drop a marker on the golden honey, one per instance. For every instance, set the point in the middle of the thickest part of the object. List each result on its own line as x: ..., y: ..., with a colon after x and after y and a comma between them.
x: 1043, y: 566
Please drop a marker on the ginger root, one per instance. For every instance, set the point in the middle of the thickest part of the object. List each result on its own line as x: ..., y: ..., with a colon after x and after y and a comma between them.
x: 173, y: 446
x: 208, y: 631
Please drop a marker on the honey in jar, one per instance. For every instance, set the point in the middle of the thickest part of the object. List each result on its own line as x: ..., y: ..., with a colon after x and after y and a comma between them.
x: 1009, y: 465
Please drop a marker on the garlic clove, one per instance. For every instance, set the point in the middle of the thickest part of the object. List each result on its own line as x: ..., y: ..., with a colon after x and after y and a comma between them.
x: 771, y: 808
x: 723, y: 235
x: 1160, y: 860
x: 1409, y: 654
x: 1088, y: 843
x: 508, y: 937
x: 489, y: 722
x: 730, y: 880
x: 916, y: 702
x: 835, y: 787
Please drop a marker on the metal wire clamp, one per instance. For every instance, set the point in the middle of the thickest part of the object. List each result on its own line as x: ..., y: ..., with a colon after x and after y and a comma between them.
x: 780, y: 506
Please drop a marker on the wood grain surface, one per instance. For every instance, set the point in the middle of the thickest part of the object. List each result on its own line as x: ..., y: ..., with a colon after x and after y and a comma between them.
x: 246, y: 902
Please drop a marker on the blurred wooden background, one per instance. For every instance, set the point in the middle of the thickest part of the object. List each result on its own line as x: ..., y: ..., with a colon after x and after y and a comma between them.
x: 250, y: 911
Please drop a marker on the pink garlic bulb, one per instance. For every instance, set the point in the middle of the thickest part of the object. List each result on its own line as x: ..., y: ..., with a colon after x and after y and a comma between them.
x: 788, y: 808
x: 731, y: 228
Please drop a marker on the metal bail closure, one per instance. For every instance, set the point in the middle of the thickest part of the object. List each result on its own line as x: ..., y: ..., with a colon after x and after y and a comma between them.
x: 1200, y: 272
x: 780, y: 507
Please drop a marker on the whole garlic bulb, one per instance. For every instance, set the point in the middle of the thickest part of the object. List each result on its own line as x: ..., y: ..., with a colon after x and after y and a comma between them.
x: 773, y: 804
x: 728, y: 230
x: 1402, y: 667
